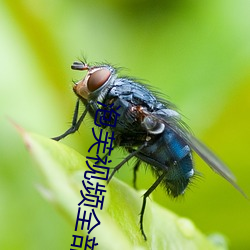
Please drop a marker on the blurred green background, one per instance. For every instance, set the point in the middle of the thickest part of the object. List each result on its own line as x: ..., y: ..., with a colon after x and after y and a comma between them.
x: 196, y: 53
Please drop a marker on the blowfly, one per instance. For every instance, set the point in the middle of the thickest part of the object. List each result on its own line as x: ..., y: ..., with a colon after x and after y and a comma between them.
x: 149, y: 128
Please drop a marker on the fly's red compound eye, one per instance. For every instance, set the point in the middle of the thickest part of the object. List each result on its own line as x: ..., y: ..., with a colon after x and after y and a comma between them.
x: 97, y: 79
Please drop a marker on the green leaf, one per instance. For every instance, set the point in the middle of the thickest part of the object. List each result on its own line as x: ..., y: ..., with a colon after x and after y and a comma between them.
x: 63, y: 170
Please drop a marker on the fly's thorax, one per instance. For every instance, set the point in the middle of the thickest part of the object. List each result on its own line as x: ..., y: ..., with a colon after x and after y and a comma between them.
x: 94, y: 85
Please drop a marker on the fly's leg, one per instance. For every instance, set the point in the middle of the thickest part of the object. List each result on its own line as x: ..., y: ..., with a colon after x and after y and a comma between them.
x: 75, y: 124
x: 145, y: 196
x: 136, y: 167
x: 127, y: 158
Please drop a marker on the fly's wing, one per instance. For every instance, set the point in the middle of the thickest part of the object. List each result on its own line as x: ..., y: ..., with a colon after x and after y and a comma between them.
x: 208, y: 156
x: 212, y: 160
x: 175, y: 124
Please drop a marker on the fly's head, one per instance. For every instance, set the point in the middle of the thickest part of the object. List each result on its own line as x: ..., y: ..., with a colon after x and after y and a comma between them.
x: 95, y: 81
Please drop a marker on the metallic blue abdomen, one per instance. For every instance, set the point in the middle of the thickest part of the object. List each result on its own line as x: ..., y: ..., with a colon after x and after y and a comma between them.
x: 172, y: 155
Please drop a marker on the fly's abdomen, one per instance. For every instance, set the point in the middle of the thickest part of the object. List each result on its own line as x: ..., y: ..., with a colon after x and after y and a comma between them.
x: 169, y: 154
x: 180, y: 166
x: 178, y: 176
